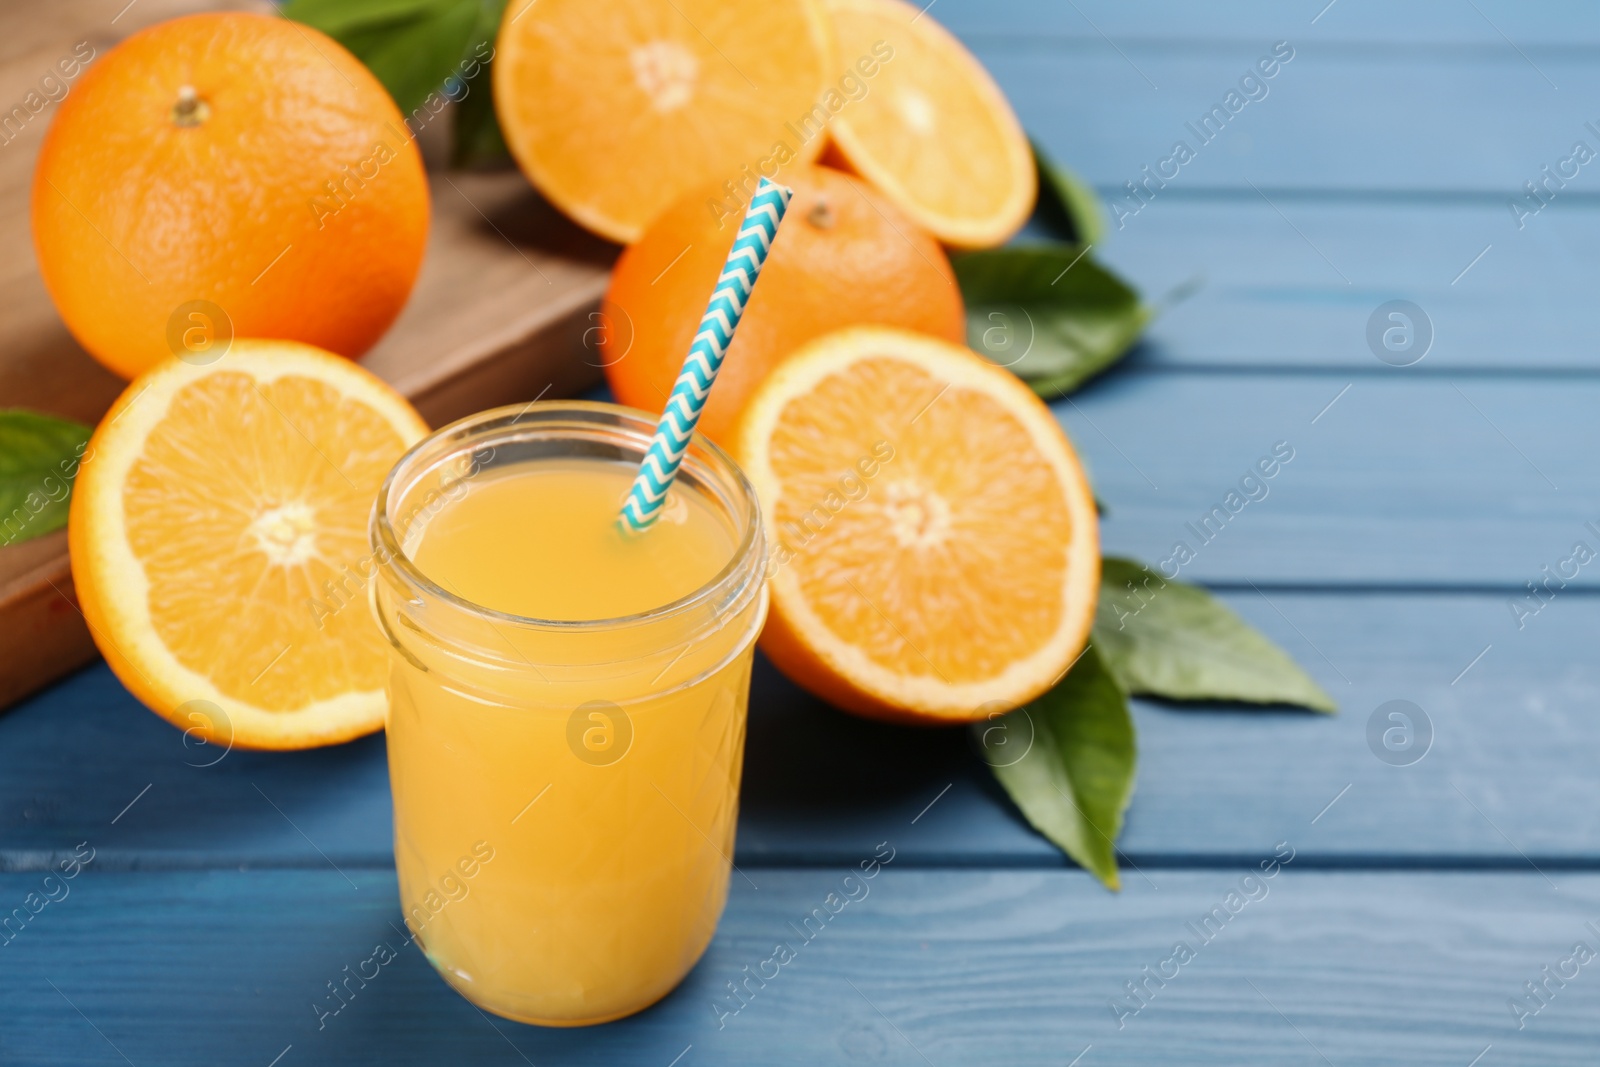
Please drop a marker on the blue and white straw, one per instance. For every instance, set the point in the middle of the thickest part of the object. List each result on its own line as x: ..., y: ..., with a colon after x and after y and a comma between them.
x: 711, y: 342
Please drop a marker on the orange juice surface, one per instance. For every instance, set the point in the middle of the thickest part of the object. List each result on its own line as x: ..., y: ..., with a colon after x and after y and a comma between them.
x: 544, y: 543
x: 565, y: 802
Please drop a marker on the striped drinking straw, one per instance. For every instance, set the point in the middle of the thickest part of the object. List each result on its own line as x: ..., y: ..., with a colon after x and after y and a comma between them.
x: 711, y: 341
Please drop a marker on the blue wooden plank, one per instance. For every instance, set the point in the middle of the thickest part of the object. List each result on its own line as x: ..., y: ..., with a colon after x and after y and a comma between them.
x: 1334, y: 119
x: 926, y: 967
x: 1505, y: 710
x: 1397, y: 479
x: 1414, y: 24
x: 84, y: 760
x: 1273, y: 292
x: 818, y: 784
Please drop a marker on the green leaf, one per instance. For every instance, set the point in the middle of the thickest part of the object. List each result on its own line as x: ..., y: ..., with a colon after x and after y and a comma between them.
x: 1050, y: 313
x: 476, y: 136
x: 477, y: 133
x: 336, y: 17
x: 1171, y: 639
x: 1067, y: 761
x: 411, y: 46
x: 38, y: 462
x: 1068, y: 204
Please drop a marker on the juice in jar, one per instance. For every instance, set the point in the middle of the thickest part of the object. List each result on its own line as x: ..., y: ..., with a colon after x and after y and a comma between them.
x: 566, y: 726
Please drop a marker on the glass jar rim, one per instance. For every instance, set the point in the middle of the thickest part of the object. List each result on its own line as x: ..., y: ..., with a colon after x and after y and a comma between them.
x: 704, y: 460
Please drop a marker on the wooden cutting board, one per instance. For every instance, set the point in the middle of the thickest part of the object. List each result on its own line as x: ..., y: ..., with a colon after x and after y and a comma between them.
x: 499, y: 313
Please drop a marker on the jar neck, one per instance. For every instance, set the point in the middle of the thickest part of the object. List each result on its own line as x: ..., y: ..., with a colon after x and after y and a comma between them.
x: 439, y: 631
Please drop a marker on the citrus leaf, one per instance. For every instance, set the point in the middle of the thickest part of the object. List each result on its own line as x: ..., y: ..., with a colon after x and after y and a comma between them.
x: 1068, y: 205
x: 1170, y: 639
x: 411, y: 46
x: 334, y: 17
x: 476, y: 137
x: 1067, y: 761
x: 1049, y: 313
x: 38, y: 462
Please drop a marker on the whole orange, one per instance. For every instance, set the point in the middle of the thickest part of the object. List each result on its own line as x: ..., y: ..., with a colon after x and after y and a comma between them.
x: 227, y: 175
x: 845, y: 256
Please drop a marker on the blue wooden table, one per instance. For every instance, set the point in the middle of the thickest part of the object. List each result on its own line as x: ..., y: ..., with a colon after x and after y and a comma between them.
x: 1414, y: 901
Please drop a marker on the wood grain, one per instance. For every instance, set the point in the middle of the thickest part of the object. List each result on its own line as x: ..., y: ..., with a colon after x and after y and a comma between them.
x: 499, y: 315
x: 1489, y: 26
x: 929, y: 967
x: 1325, y: 125
x: 1264, y: 297
x: 1214, y: 784
x: 1404, y: 481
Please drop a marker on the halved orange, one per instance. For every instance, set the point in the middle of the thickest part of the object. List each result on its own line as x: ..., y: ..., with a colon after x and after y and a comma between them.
x: 615, y: 108
x: 933, y: 132
x: 219, y: 542
x: 935, y: 549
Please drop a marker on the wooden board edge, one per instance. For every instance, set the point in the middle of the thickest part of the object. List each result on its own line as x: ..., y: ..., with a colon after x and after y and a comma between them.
x: 537, y: 355
x: 41, y: 626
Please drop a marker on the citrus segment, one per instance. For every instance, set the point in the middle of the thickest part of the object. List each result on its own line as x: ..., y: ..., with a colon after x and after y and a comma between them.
x: 844, y: 257
x: 935, y: 133
x: 219, y: 542
x: 615, y: 108
x: 224, y: 175
x: 936, y: 554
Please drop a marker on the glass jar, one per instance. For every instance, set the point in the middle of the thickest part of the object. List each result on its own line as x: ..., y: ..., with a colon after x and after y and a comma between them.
x: 565, y: 793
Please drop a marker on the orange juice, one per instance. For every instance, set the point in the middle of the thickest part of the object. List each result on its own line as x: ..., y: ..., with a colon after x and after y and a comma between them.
x: 544, y: 542
x: 567, y: 707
